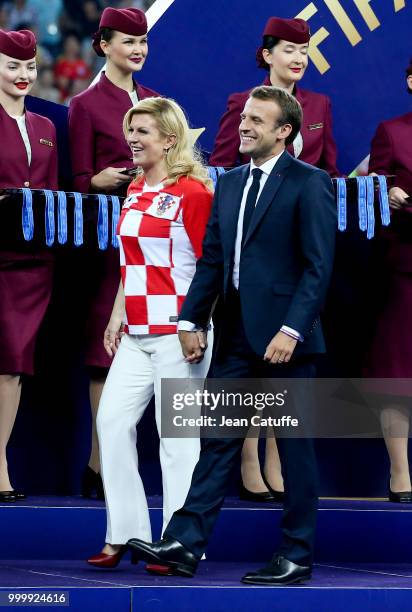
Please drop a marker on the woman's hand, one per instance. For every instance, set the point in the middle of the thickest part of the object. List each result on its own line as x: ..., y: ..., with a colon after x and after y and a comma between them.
x: 397, y: 198
x: 112, y: 337
x: 109, y: 179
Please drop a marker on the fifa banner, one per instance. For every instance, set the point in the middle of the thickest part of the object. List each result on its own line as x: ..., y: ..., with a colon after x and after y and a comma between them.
x: 200, y: 51
x: 203, y: 50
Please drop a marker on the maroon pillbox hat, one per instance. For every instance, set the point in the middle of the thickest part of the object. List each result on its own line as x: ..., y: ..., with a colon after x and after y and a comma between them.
x: 293, y: 30
x: 128, y: 21
x: 18, y: 45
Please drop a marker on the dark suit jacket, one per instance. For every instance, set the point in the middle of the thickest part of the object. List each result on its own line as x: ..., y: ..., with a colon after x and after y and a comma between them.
x: 96, y: 130
x: 286, y: 260
x: 319, y: 147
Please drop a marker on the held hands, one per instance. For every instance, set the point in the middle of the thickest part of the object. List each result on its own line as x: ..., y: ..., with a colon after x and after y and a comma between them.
x: 280, y: 349
x: 194, y: 345
x: 109, y: 178
x: 112, y: 336
x: 397, y: 198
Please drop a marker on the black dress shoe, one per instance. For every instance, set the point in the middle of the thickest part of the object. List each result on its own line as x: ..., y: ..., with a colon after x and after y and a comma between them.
x: 278, y: 572
x: 278, y: 496
x: 403, y: 497
x: 91, y: 484
x: 246, y: 495
x: 7, y: 496
x: 167, y: 553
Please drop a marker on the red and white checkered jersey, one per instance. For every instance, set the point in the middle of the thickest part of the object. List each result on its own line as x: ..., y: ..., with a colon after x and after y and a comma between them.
x: 160, y: 234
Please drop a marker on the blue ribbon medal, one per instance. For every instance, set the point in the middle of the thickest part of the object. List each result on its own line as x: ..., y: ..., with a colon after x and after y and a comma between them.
x: 49, y: 217
x: 103, y: 222
x: 115, y: 219
x: 27, y: 218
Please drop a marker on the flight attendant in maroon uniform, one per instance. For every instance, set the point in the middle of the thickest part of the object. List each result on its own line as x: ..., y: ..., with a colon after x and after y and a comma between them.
x: 391, y: 351
x: 284, y: 55
x: 100, y: 156
x: 28, y: 158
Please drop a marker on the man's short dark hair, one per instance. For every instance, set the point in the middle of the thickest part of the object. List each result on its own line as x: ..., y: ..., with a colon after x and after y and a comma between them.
x: 290, y: 107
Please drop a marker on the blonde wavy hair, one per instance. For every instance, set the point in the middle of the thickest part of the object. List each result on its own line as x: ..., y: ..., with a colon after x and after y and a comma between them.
x: 182, y: 158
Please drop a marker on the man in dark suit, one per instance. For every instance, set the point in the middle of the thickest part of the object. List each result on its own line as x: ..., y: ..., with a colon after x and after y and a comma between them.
x: 269, y: 251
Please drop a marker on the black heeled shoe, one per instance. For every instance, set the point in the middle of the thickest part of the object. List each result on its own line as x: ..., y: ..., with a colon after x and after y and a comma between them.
x: 278, y: 496
x: 91, y: 484
x: 11, y: 496
x: 246, y: 495
x: 401, y: 497
x: 7, y: 497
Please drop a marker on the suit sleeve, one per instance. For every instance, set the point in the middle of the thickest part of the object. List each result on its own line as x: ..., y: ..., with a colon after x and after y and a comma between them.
x: 53, y: 169
x: 317, y: 226
x: 329, y: 152
x: 207, y: 282
x: 226, y: 149
x: 196, y: 213
x: 82, y: 147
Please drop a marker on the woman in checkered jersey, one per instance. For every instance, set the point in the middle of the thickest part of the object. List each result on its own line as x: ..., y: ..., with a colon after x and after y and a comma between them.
x: 160, y: 232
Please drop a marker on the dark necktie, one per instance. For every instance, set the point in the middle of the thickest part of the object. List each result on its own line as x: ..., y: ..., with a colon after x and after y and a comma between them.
x: 251, y: 201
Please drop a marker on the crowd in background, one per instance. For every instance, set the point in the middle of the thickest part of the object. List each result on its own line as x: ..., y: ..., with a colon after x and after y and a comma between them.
x: 66, y: 61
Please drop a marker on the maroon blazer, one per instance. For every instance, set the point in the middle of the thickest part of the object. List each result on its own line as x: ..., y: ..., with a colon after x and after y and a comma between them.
x: 390, y: 355
x: 96, y: 130
x: 391, y: 151
x: 15, y: 170
x: 14, y: 165
x: 319, y: 147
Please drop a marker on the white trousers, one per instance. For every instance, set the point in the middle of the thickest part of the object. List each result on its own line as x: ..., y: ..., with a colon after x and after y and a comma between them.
x: 135, y: 374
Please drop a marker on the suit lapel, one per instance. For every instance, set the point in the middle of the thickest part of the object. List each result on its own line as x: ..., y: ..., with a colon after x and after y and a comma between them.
x: 230, y: 208
x: 269, y: 191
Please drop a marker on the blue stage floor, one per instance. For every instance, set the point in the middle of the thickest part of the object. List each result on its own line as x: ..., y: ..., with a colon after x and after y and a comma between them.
x: 44, y: 541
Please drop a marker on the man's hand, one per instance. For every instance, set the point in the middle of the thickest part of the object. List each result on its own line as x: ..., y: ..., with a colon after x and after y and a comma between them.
x: 194, y: 345
x: 280, y: 349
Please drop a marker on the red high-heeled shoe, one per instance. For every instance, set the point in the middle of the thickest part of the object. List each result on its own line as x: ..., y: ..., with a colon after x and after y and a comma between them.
x: 110, y: 561
x: 163, y: 570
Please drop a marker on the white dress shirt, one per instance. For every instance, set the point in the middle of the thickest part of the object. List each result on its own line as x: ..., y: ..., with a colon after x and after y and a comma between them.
x: 133, y: 97
x: 21, y: 122
x: 266, y: 169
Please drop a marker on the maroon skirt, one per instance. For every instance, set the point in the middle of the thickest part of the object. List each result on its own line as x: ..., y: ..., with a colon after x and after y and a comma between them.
x: 25, y: 291
x: 104, y: 277
x: 391, y: 351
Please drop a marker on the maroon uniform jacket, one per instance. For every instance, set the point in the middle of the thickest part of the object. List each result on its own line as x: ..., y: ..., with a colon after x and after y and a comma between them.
x: 25, y: 275
x: 14, y: 165
x: 97, y: 142
x: 96, y: 130
x: 391, y: 151
x: 15, y: 170
x: 319, y: 147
